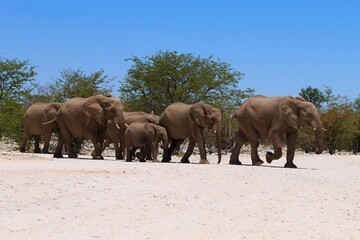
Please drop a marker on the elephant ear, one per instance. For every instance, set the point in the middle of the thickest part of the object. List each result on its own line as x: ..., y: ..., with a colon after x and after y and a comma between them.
x: 197, y: 113
x: 94, y: 110
x: 288, y: 113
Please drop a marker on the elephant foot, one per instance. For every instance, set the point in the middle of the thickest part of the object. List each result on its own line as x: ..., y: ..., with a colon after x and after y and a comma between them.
x: 235, y: 162
x: 165, y: 160
x: 45, y: 151
x: 98, y: 157
x: 186, y: 160
x: 72, y: 155
x: 204, y: 161
x: 269, y: 157
x: 121, y: 157
x: 22, y: 149
x: 290, y: 165
x: 142, y: 160
x: 58, y: 155
x: 37, y: 150
x: 128, y: 160
x: 257, y: 163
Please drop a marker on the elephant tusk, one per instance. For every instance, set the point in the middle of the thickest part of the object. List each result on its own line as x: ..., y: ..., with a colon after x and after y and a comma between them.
x: 117, y: 126
x: 126, y: 125
x: 214, y: 131
x: 323, y: 129
x: 314, y: 129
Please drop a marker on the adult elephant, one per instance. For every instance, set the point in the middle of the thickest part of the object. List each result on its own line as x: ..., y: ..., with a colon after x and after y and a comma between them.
x: 33, y: 118
x: 116, y: 136
x: 183, y: 121
x: 88, y: 118
x: 273, y: 118
x: 147, y: 137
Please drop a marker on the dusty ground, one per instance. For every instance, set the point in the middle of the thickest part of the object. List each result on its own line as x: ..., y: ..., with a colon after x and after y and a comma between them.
x: 46, y: 198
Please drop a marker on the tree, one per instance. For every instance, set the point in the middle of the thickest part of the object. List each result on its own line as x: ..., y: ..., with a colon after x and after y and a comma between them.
x: 334, y: 101
x: 341, y: 124
x: 75, y: 83
x: 16, y: 78
x: 155, y: 82
x: 313, y: 95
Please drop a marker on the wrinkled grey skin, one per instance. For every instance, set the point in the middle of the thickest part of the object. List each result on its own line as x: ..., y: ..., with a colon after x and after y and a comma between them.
x: 146, y: 136
x: 274, y: 118
x: 34, y: 116
x: 184, y: 121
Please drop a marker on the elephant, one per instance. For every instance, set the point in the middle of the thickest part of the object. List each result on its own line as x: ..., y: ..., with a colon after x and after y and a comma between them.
x: 33, y: 118
x: 87, y: 118
x: 187, y: 121
x: 273, y: 118
x: 113, y: 135
x: 147, y: 137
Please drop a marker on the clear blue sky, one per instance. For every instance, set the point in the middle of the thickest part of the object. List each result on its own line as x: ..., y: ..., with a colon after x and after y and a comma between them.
x: 280, y: 46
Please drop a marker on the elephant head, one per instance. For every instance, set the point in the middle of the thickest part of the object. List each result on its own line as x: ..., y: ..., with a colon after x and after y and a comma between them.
x: 207, y: 116
x: 298, y: 112
x: 104, y: 108
x: 156, y: 132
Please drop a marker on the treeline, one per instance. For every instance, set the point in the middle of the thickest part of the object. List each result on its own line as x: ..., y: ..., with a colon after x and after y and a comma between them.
x: 154, y: 82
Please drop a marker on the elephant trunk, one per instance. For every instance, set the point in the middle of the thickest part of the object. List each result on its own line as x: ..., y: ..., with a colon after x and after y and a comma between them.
x: 318, y: 135
x: 217, y: 130
x: 119, y: 121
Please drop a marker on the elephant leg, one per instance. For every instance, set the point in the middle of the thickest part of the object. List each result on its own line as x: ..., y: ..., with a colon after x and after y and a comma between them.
x: 169, y: 151
x: 26, y: 138
x: 277, y: 143
x: 154, y: 152
x: 189, y: 151
x: 256, y: 161
x: 128, y: 154
x: 96, y: 154
x: 143, y: 153
x: 58, y: 150
x: 47, y: 138
x: 199, y: 138
x: 97, y: 138
x: 37, y: 144
x: 240, y: 140
x: 150, y: 148
x: 118, y: 152
x: 150, y: 151
x: 121, y: 140
x: 291, y: 142
x: 107, y: 144
x: 66, y: 138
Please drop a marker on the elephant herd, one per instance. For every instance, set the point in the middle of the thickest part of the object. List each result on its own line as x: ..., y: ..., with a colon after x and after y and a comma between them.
x: 102, y: 120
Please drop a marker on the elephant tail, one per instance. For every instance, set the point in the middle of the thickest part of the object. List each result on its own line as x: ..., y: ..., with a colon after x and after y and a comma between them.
x: 51, y: 121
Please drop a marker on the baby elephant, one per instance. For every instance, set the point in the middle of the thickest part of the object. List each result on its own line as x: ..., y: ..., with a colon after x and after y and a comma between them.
x: 147, y: 137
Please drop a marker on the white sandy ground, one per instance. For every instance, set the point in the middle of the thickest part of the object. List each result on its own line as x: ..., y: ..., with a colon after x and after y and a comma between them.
x: 46, y: 198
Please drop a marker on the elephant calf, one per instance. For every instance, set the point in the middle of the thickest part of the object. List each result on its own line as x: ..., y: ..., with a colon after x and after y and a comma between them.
x: 116, y: 136
x: 147, y: 137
